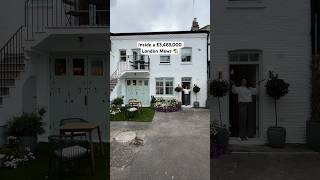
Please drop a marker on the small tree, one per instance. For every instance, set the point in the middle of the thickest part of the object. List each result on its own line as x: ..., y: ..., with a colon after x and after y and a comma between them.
x: 196, y: 89
x: 219, y: 88
x: 276, y: 88
x: 118, y: 101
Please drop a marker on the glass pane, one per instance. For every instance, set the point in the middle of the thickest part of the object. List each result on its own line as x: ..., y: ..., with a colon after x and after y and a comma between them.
x: 244, y: 57
x: 254, y: 57
x: 97, y: 68
x: 233, y: 57
x: 122, y: 52
x: 134, y: 82
x: 186, y: 79
x: 140, y: 83
x: 164, y: 59
x: 60, y: 68
x: 128, y: 82
x: 146, y: 82
x: 78, y: 67
x: 159, y: 90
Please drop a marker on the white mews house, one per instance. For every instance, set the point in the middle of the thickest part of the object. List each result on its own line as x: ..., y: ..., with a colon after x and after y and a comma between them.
x: 158, y: 75
x: 53, y: 56
x: 252, y: 38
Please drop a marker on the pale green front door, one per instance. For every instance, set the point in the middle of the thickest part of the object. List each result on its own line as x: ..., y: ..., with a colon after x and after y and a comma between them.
x: 138, y: 89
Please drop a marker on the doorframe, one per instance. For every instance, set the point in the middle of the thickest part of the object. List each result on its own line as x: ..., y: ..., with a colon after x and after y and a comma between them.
x: 190, y: 93
x: 259, y: 104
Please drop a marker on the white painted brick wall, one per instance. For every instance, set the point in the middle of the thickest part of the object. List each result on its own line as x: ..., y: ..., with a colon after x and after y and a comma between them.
x: 280, y: 29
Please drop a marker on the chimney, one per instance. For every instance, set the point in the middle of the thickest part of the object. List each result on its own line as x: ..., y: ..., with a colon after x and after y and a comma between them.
x: 195, y: 25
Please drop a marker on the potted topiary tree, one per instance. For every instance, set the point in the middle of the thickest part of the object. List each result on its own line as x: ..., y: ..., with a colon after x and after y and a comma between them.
x: 196, y: 90
x: 219, y: 88
x: 26, y: 128
x: 313, y: 125
x: 276, y: 88
x: 178, y: 89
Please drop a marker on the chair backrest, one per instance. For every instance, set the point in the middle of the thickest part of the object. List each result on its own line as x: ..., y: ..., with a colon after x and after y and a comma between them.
x: 72, y: 120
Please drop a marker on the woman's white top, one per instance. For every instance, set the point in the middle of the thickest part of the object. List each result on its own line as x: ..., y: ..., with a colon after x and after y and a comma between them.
x: 186, y: 91
x: 244, y: 93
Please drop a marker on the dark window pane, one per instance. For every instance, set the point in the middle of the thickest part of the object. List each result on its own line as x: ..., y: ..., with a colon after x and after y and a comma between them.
x: 60, y: 68
x: 244, y: 57
x: 78, y: 67
x: 97, y: 68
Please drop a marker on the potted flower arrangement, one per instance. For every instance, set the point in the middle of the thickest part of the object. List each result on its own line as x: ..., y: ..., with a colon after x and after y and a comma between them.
x: 276, y: 88
x: 219, y: 88
x: 26, y: 128
x: 313, y: 125
x: 196, y: 89
x: 166, y: 105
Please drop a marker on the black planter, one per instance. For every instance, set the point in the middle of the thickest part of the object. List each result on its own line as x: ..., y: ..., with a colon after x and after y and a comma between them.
x: 222, y: 138
x: 276, y: 136
x: 313, y: 135
x: 196, y: 104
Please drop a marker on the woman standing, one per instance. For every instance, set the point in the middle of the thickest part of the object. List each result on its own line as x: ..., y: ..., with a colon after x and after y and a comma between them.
x: 245, y: 94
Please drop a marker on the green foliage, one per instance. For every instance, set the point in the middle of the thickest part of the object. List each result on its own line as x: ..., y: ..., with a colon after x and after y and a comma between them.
x: 196, y: 89
x: 276, y: 87
x: 28, y: 124
x: 117, y: 101
x: 178, y: 89
x: 219, y: 88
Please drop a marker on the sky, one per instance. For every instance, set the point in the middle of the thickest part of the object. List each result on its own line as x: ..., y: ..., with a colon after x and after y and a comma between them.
x: 157, y: 15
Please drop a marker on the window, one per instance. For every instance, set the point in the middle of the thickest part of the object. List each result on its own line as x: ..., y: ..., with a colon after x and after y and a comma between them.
x: 244, y: 56
x: 186, y: 54
x: 60, y: 68
x: 164, y: 59
x: 123, y: 55
x: 78, y: 67
x: 164, y: 86
x: 97, y: 67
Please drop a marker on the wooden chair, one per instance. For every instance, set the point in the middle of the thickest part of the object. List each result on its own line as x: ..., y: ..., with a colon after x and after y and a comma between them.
x: 66, y: 151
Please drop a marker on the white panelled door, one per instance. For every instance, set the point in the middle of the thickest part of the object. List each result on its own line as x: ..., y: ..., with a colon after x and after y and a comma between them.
x: 78, y: 89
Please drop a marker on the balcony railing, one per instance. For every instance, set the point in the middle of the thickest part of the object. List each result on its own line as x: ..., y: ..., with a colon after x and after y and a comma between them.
x: 40, y: 14
x: 132, y: 63
x: 139, y: 62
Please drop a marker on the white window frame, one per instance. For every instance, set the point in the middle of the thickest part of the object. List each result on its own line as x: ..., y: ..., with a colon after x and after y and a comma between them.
x: 186, y: 62
x: 164, y: 86
x: 165, y: 62
x: 121, y: 56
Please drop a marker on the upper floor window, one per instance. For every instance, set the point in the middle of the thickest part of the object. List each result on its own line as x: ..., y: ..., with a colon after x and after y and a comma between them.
x: 244, y: 56
x: 165, y: 59
x: 164, y: 86
x: 186, y: 54
x: 123, y: 55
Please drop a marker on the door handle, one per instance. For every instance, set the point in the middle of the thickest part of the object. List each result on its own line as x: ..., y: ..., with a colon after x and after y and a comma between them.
x: 85, y: 100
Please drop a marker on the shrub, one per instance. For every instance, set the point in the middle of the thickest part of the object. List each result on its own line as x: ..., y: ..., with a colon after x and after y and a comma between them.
x: 28, y: 124
x: 178, y: 89
x: 219, y: 88
x: 117, y: 101
x: 276, y: 88
x: 196, y: 89
x: 166, y: 105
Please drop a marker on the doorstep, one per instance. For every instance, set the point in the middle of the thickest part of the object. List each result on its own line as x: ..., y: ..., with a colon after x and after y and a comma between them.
x: 264, y: 149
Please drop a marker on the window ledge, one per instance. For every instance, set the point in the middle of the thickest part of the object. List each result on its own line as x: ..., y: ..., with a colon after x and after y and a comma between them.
x: 164, y: 63
x: 258, y: 4
x: 186, y: 63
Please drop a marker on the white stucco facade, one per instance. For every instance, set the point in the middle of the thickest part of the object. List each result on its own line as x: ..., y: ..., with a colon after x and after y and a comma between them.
x: 280, y: 30
x: 196, y: 69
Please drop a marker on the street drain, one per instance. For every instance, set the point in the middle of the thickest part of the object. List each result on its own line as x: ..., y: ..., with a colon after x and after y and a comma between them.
x: 125, y: 137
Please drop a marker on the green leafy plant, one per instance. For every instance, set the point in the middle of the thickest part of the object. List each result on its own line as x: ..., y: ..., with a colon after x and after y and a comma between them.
x: 219, y: 88
x: 178, y: 89
x: 28, y: 124
x: 118, y: 101
x: 276, y: 88
x: 196, y: 89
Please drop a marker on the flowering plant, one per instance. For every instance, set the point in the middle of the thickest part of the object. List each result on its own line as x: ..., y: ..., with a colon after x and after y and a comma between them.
x: 166, y: 105
x: 15, y: 157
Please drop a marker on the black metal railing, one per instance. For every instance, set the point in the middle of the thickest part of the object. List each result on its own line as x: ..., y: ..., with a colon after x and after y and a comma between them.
x: 40, y: 14
x: 139, y: 62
